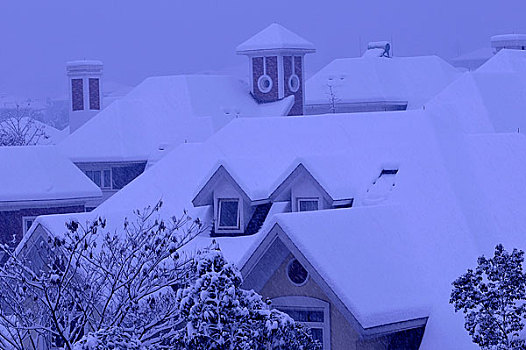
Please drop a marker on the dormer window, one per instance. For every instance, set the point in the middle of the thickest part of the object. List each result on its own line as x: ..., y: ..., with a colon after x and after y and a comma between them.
x: 308, y: 204
x: 228, y: 214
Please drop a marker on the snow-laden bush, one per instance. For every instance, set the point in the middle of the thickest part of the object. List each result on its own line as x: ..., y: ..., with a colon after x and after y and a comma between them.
x: 18, y: 127
x: 493, y: 297
x: 92, y: 278
x: 219, y: 315
x: 109, y: 339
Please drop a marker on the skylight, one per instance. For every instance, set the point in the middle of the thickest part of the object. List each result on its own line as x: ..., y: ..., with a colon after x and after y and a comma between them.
x: 381, y: 187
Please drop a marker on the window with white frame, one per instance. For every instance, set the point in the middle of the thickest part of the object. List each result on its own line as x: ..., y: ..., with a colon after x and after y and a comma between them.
x: 95, y: 176
x: 308, y: 204
x: 228, y: 214
x: 27, y: 221
x: 311, y: 312
x: 101, y: 178
x: 106, y: 178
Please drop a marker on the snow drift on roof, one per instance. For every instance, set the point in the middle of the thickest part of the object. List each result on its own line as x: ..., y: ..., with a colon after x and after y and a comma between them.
x: 164, y: 111
x: 455, y: 197
x: 275, y: 37
x: 505, y: 61
x: 373, y: 79
x: 489, y: 99
x: 35, y: 173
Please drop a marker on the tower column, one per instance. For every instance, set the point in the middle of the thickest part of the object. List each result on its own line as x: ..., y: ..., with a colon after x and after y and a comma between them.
x: 85, y: 91
x: 276, y: 57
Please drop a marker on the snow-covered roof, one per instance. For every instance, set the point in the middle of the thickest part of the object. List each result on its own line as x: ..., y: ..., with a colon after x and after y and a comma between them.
x: 262, y: 163
x: 473, y: 59
x: 164, y: 111
x: 395, y: 261
x: 456, y: 196
x: 489, y: 99
x: 505, y: 61
x: 40, y: 173
x: 377, y: 79
x: 252, y: 150
x: 275, y: 37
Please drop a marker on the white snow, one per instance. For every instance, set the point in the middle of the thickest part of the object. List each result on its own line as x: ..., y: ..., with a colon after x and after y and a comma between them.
x: 33, y: 173
x: 52, y: 136
x: 374, y: 79
x: 489, y: 99
x: 79, y: 63
x: 460, y: 189
x: 165, y: 111
x: 275, y: 37
x: 473, y: 59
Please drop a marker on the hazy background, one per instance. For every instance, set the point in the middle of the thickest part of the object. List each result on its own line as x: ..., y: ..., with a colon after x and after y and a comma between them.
x: 136, y: 39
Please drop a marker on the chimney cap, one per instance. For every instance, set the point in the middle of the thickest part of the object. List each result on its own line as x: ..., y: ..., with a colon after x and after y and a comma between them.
x: 78, y: 63
x: 275, y: 38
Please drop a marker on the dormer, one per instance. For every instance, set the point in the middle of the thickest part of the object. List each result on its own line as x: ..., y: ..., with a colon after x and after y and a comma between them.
x: 235, y: 213
x: 305, y: 193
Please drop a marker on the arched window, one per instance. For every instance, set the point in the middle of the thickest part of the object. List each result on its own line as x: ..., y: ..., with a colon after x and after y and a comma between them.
x: 312, y: 312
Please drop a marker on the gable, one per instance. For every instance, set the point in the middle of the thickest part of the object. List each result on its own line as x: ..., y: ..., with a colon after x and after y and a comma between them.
x: 264, y: 271
x: 321, y: 284
x: 300, y: 183
x: 221, y: 181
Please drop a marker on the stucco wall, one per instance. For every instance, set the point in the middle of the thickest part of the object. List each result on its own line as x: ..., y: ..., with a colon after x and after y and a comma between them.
x: 305, y: 187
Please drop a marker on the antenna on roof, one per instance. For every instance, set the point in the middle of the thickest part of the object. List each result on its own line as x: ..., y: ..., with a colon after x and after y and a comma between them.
x: 359, y: 45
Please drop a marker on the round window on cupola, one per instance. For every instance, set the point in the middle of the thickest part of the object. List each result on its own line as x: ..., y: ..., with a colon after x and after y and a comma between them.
x: 297, y: 273
x: 294, y: 83
x: 265, y: 84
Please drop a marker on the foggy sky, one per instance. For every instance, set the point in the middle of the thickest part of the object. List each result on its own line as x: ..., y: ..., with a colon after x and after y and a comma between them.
x: 136, y: 39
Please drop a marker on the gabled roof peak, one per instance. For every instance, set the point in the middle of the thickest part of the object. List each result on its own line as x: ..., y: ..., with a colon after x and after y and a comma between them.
x: 275, y: 38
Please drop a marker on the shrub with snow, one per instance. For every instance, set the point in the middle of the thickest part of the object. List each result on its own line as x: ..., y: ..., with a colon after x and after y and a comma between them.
x: 92, y: 278
x: 492, y: 297
x: 109, y: 339
x: 18, y: 127
x: 219, y: 315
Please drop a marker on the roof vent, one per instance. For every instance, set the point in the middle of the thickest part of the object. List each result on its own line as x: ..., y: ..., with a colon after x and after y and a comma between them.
x: 378, y: 49
x: 381, y: 187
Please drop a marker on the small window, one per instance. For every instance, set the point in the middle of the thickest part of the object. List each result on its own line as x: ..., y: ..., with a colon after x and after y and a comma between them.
x: 27, y: 222
x: 297, y: 273
x: 308, y: 204
x: 312, y: 313
x: 294, y: 83
x: 265, y: 83
x: 94, y: 94
x: 123, y: 175
x: 228, y: 214
x: 77, y: 94
x: 95, y: 176
x: 107, y: 178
